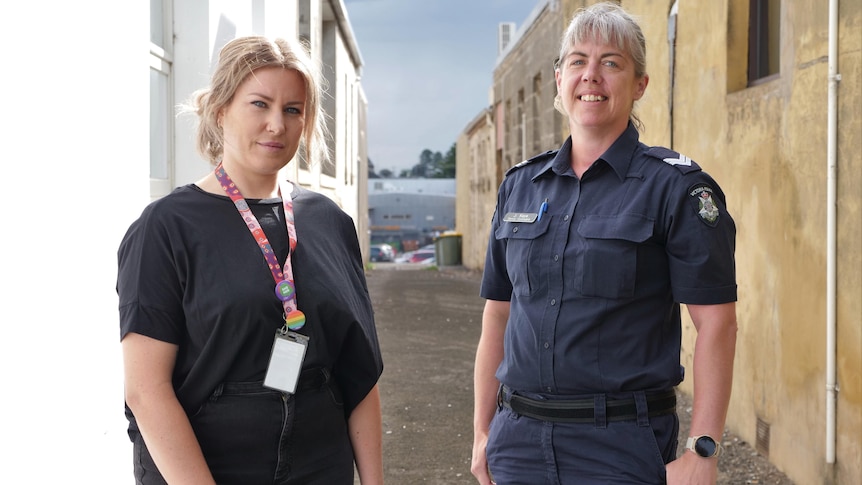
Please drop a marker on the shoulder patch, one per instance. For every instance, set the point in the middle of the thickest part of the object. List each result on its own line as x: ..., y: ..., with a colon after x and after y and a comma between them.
x: 674, y: 159
x: 543, y: 156
x: 703, y: 203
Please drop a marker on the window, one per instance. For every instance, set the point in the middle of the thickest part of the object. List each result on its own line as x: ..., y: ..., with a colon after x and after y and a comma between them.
x: 522, y: 127
x: 536, y: 114
x: 764, y: 21
x: 161, y: 99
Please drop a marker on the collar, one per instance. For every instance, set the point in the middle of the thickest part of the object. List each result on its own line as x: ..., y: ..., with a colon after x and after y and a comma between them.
x: 560, y: 163
x: 618, y: 156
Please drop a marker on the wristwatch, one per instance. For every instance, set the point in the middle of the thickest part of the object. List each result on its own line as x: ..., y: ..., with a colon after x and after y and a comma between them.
x: 703, y: 445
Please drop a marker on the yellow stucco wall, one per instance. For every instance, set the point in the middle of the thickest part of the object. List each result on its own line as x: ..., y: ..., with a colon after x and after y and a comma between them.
x: 766, y: 146
x: 475, y: 188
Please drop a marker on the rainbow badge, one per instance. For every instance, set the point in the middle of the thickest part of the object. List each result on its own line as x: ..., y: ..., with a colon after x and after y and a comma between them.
x: 295, y: 320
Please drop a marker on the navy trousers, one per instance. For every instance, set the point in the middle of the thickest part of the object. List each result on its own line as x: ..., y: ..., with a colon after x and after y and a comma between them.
x: 528, y: 451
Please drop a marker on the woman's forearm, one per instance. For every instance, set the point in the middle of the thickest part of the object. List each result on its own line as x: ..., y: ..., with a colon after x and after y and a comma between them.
x: 366, y: 436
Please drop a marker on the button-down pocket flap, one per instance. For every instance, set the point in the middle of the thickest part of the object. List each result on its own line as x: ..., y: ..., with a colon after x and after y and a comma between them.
x: 522, y: 230
x: 626, y: 227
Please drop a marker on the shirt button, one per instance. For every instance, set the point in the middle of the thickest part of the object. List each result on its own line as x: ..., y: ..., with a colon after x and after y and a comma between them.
x: 566, y: 217
x: 547, y: 389
x: 553, y: 301
x: 556, y: 257
x: 547, y: 345
x: 515, y: 230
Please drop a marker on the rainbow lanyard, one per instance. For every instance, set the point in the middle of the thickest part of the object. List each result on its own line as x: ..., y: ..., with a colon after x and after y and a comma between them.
x: 285, y: 289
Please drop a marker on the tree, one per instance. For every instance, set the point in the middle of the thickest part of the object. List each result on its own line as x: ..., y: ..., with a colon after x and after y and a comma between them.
x: 446, y: 168
x: 425, y: 167
x: 434, y: 164
x: 371, y: 173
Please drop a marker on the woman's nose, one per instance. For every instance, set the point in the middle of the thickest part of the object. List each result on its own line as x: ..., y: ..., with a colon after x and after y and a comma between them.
x: 275, y: 124
x: 591, y: 75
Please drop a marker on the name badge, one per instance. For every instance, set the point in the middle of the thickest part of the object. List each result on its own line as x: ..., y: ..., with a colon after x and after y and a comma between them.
x: 521, y: 217
x: 285, y: 362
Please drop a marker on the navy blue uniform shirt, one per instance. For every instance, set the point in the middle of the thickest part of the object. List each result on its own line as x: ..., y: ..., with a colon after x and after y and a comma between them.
x: 596, y: 275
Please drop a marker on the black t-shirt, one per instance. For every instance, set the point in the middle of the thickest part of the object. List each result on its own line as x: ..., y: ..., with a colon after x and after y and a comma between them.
x: 191, y: 274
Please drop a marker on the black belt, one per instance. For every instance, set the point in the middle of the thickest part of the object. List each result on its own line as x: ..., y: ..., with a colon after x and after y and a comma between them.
x: 583, y: 410
x: 309, y: 380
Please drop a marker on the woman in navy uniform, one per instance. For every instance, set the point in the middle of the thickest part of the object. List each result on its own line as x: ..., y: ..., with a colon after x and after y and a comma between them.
x: 592, y: 249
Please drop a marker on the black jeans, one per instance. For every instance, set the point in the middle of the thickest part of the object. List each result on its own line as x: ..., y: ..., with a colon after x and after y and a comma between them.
x: 252, y: 435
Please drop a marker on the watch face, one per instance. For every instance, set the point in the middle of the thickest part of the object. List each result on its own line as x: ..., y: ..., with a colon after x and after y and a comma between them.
x: 704, y: 446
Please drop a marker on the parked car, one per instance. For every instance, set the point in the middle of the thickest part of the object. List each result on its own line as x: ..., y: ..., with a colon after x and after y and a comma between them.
x: 382, y: 252
x: 403, y: 257
x: 425, y: 254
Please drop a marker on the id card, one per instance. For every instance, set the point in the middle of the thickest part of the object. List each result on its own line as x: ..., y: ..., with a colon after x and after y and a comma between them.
x: 285, y: 363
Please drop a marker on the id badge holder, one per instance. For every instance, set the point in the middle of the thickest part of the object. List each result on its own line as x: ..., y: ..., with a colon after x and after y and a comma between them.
x: 285, y: 362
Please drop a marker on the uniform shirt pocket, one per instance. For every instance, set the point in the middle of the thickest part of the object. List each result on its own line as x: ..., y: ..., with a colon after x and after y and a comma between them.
x: 609, y: 260
x: 524, y: 244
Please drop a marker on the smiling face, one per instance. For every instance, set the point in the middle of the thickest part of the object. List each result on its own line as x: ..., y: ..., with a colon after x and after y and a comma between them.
x: 598, y: 86
x: 263, y: 122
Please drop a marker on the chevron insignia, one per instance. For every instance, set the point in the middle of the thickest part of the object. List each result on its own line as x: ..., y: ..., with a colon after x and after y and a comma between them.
x: 682, y: 160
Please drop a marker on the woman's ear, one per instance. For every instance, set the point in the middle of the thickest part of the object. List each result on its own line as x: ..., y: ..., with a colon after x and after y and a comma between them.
x: 641, y: 87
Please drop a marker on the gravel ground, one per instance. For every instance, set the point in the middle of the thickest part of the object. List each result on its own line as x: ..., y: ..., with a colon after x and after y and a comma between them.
x: 428, y: 322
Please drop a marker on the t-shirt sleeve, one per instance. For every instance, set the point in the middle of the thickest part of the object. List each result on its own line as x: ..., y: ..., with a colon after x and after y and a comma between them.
x: 701, y: 243
x: 149, y: 290
x: 331, y: 258
x: 496, y: 284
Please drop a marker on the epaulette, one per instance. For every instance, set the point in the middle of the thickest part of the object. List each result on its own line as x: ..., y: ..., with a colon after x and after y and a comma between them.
x: 540, y: 157
x: 670, y: 157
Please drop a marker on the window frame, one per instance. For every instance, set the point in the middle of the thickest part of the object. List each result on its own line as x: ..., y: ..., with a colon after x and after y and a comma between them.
x: 162, y: 117
x: 764, y: 45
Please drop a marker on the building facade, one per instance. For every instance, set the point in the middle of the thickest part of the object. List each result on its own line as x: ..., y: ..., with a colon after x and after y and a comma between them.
x: 186, y: 36
x: 477, y: 179
x: 766, y: 95
x: 410, y: 213
x: 519, y: 123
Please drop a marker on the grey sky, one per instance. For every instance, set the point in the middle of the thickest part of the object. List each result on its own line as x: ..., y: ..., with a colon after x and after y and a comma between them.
x: 428, y: 68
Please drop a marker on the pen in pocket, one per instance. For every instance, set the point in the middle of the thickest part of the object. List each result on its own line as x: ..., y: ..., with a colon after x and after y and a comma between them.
x: 542, y: 209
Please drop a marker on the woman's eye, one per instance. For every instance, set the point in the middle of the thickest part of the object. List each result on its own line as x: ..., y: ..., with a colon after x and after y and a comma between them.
x: 611, y: 64
x: 292, y: 110
x: 259, y: 104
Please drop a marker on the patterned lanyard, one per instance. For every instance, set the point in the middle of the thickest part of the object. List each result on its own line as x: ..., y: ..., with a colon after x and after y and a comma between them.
x: 285, y: 289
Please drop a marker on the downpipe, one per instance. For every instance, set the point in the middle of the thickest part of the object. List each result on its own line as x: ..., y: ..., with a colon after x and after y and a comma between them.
x: 831, y: 236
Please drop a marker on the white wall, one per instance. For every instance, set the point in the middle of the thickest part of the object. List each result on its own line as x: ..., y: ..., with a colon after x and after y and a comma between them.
x: 75, y: 135
x: 75, y: 174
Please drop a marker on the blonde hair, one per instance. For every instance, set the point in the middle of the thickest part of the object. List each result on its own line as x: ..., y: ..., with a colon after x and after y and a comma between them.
x: 608, y: 23
x: 237, y: 60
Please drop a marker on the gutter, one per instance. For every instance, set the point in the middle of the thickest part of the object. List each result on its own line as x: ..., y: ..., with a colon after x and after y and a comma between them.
x: 347, y: 31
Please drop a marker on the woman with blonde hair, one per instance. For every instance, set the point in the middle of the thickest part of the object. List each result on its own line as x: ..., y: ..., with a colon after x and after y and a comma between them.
x: 249, y: 346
